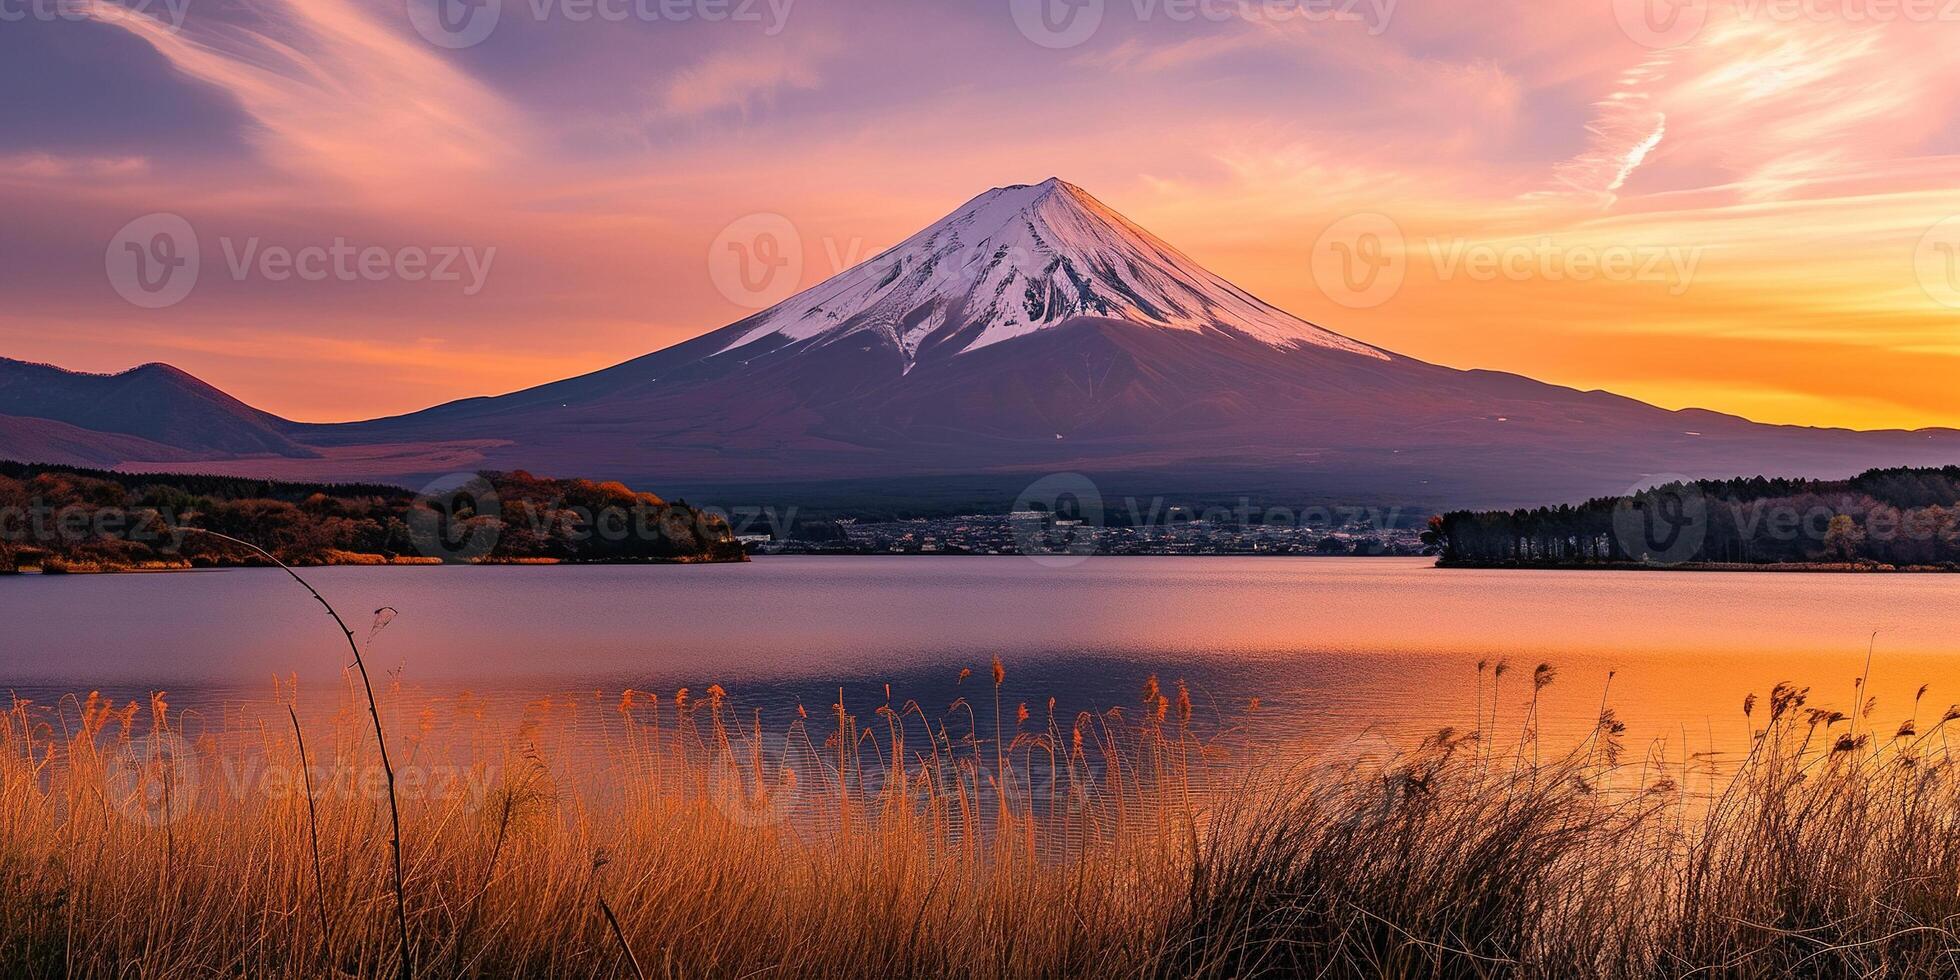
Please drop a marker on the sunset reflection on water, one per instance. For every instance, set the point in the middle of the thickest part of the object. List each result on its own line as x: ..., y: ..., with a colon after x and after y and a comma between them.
x: 1329, y: 647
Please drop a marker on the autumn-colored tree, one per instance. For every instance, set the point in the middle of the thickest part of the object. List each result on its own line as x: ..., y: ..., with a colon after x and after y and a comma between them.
x: 93, y: 518
x: 1843, y: 538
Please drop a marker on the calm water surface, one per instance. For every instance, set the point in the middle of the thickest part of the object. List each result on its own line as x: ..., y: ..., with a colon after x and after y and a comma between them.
x: 1333, y: 645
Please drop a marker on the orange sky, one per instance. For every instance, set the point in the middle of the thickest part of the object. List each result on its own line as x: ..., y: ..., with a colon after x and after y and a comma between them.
x: 1749, y: 216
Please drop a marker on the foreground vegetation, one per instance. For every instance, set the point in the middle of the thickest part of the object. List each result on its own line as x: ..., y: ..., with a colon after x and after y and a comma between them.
x: 675, y: 835
x: 1890, y: 519
x: 61, y: 519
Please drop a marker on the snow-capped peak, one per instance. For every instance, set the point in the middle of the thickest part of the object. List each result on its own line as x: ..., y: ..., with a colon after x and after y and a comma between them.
x: 1023, y: 258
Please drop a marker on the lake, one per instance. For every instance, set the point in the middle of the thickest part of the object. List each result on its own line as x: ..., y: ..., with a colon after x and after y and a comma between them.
x: 1327, y: 645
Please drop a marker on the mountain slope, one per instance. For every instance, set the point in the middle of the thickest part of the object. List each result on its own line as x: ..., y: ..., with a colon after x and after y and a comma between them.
x: 1143, y: 409
x: 1031, y: 331
x: 31, y: 440
x: 155, y: 402
x: 1034, y: 330
x: 1020, y: 259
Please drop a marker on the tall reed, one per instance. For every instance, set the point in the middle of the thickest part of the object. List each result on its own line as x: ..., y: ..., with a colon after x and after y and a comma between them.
x: 1115, y: 843
x: 380, y: 741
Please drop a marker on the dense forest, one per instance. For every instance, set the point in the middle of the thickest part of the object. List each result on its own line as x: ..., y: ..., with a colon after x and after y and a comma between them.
x: 1890, y: 518
x: 62, y: 519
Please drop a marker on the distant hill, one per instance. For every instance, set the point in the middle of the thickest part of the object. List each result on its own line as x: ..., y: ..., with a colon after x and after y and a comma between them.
x: 119, y: 521
x: 1901, y: 518
x: 156, y: 403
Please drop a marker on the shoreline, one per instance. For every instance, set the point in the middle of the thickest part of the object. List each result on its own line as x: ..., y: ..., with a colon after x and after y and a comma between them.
x: 377, y: 561
x: 1808, y: 567
x: 400, y: 562
x: 161, y: 568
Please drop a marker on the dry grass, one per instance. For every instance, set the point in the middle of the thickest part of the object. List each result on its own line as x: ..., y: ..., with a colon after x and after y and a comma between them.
x: 1832, y: 850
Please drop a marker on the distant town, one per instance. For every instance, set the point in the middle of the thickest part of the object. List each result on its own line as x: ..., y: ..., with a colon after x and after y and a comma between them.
x: 1039, y: 533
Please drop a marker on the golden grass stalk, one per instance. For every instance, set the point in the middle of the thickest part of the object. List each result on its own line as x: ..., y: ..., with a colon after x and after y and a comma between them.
x: 913, y: 848
x: 380, y: 741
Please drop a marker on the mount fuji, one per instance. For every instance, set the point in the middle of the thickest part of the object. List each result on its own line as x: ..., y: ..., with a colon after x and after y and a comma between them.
x: 1034, y: 330
x: 1018, y: 260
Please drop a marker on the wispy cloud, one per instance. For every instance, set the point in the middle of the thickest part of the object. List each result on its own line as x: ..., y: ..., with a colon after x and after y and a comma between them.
x: 1806, y: 156
x: 1627, y: 126
x: 1765, y: 107
x: 48, y: 166
x: 1135, y: 54
x: 335, y: 94
x: 749, y: 77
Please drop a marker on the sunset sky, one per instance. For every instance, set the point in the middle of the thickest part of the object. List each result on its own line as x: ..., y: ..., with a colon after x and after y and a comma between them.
x: 1789, y: 170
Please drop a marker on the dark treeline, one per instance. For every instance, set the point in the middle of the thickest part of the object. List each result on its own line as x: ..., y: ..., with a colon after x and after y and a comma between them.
x: 67, y: 519
x: 1890, y: 517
